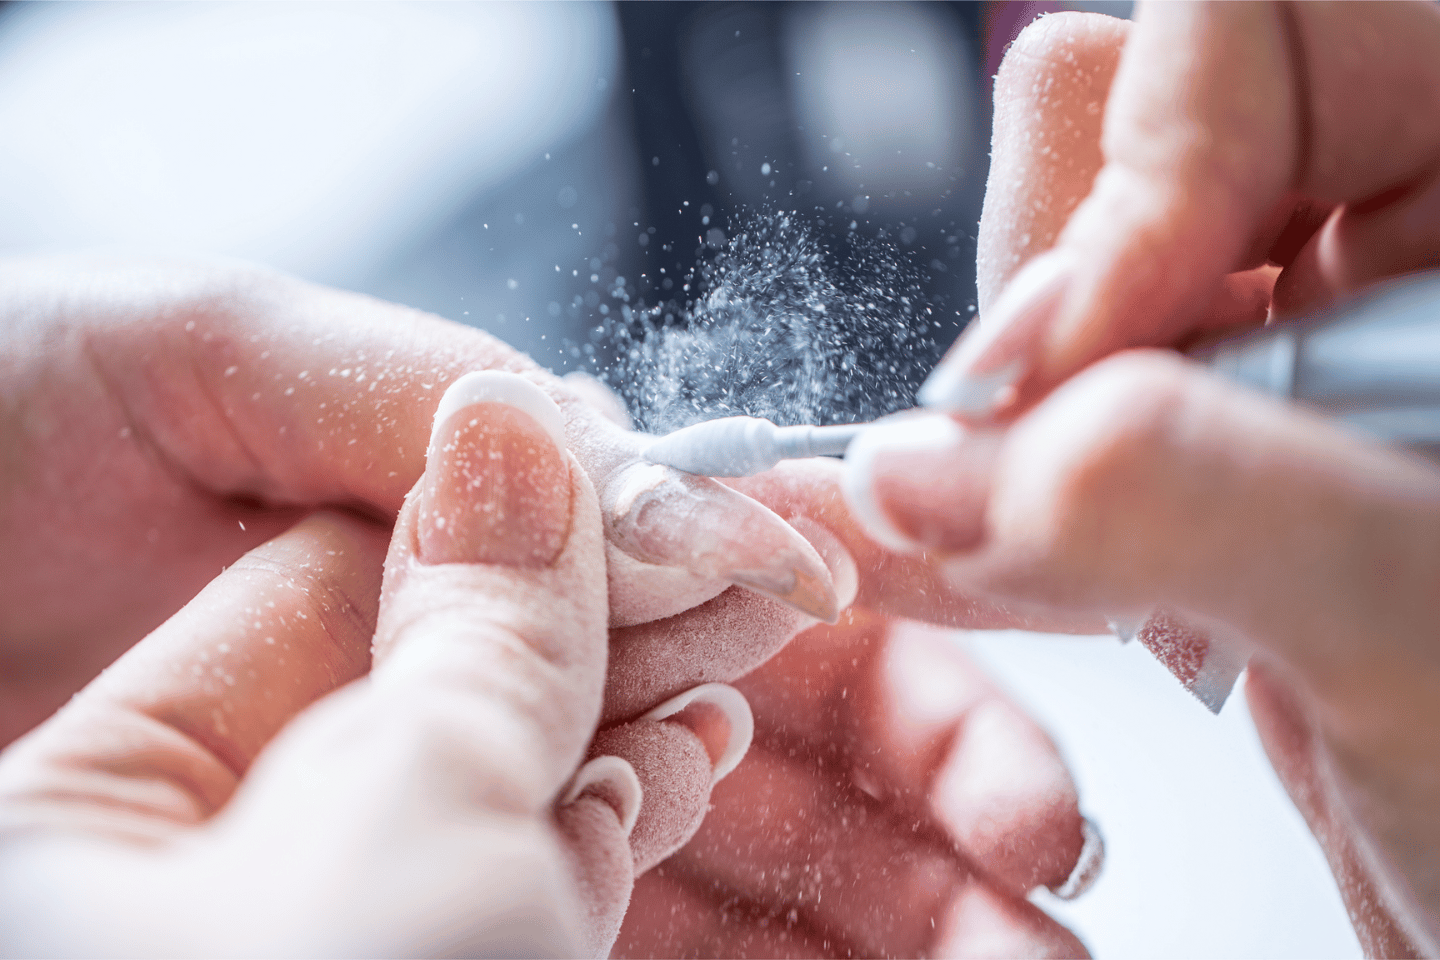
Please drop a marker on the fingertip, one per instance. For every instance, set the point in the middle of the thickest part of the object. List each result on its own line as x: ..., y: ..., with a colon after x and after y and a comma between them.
x: 675, y: 772
x: 982, y: 922
x: 720, y: 716
x: 862, y: 460
x: 721, y: 640
x: 921, y: 483
x: 599, y: 854
x: 1007, y: 799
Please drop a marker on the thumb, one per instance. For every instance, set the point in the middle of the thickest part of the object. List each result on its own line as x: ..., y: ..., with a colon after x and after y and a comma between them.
x: 493, y: 601
x: 493, y: 626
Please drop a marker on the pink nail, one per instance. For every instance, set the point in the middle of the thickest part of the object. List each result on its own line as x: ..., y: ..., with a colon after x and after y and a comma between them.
x: 497, y: 478
x: 659, y: 515
x: 919, y: 483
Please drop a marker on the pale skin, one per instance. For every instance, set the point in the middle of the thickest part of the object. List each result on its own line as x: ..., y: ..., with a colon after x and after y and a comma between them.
x: 1200, y: 168
x: 289, y: 760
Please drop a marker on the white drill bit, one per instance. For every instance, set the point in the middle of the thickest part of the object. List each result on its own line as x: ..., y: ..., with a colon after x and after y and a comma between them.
x: 744, y: 446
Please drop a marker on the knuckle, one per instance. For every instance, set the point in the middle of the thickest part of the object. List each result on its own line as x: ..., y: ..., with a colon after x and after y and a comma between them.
x: 314, y: 593
x: 1129, y: 406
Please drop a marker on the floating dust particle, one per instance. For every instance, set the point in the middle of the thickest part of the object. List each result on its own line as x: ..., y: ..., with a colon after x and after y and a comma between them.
x: 778, y: 327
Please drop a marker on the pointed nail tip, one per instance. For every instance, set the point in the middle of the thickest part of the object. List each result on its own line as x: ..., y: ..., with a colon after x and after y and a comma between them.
x: 1212, y: 700
x: 810, y: 595
x: 1212, y: 689
x: 1224, y: 662
x: 968, y: 395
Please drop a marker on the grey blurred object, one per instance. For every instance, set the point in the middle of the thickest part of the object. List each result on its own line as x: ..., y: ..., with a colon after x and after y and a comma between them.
x: 1371, y: 363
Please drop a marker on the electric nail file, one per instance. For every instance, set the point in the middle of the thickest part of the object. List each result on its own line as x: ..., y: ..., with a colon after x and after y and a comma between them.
x: 1372, y: 364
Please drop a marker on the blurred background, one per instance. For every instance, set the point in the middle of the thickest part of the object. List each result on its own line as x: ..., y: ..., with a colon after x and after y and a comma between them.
x: 502, y: 165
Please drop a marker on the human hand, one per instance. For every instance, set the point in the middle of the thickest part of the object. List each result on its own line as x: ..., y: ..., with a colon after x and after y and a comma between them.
x: 894, y: 804
x: 158, y: 420
x: 1245, y: 160
x: 223, y: 789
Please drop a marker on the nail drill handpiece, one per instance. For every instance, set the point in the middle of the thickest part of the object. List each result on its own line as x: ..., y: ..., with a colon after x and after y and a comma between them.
x: 1372, y: 365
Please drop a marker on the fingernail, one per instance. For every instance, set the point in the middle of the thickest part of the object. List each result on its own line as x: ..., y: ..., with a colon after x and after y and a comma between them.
x: 613, y: 780
x: 497, y: 478
x: 1125, y: 628
x: 843, y: 571
x: 919, y: 483
x: 1204, y: 664
x: 663, y: 516
x: 981, y: 370
x: 720, y: 716
x: 1087, y: 866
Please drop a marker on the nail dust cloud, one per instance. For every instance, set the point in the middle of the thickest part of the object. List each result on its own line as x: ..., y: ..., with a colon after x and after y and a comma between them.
x: 775, y: 325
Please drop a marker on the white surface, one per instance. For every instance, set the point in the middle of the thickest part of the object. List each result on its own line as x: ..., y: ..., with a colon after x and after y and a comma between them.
x: 1205, y: 855
x: 317, y: 138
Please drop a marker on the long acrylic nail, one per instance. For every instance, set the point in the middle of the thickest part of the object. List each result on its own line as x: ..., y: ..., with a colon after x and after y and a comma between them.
x: 613, y: 780
x: 720, y: 716
x: 663, y: 516
x: 913, y: 484
x: 497, y: 479
x: 844, y: 573
x: 1206, y: 665
x: 980, y: 371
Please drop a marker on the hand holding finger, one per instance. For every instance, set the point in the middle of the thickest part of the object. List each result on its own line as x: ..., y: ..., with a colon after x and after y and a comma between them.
x: 490, y: 653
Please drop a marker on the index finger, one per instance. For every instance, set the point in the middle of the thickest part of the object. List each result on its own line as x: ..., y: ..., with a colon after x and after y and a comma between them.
x: 1219, y: 118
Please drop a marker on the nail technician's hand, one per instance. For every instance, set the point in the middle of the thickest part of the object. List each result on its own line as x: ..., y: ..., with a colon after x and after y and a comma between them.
x: 894, y: 804
x: 158, y: 420
x: 216, y: 791
x: 1304, y: 136
x: 1167, y: 168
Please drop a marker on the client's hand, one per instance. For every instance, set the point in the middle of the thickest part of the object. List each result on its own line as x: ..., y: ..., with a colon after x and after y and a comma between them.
x: 225, y: 788
x: 894, y: 804
x: 157, y: 420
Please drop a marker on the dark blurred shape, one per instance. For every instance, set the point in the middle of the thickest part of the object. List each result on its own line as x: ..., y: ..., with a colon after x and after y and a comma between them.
x: 869, y: 121
x: 719, y: 99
